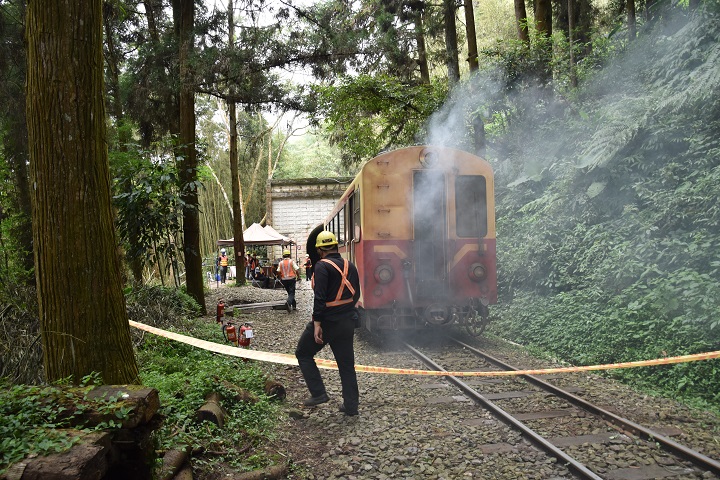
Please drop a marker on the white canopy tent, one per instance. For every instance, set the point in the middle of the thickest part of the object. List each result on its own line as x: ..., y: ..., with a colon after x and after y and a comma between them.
x: 257, y: 235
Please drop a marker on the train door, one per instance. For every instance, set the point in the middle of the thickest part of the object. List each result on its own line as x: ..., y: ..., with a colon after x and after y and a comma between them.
x: 429, y: 221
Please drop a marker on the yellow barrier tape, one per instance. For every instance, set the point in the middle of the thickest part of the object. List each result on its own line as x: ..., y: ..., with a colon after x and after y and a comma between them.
x: 287, y: 359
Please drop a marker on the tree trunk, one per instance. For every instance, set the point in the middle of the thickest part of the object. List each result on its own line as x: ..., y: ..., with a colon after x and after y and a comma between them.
x: 543, y: 17
x: 188, y: 162
x: 521, y: 21
x: 471, y: 36
x: 422, y: 49
x: 238, y: 240
x: 571, y: 31
x: 451, y: 46
x: 152, y: 23
x: 83, y: 323
x: 632, y: 21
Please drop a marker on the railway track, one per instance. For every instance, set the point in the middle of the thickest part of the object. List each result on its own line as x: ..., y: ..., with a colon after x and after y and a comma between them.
x: 601, y: 446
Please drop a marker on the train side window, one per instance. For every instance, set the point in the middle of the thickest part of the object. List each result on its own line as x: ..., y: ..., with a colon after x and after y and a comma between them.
x: 341, y: 226
x: 355, y: 212
x: 349, y: 229
x: 471, y: 206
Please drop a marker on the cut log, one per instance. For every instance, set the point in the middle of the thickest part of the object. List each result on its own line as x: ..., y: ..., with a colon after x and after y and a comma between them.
x: 271, y: 473
x: 87, y: 460
x: 211, y: 411
x: 238, y: 394
x: 144, y: 403
x: 185, y: 474
x: 173, y: 461
x: 275, y: 390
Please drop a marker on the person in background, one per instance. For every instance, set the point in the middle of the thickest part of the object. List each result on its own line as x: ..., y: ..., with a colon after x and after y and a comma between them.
x: 248, y: 268
x: 223, y: 262
x: 287, y: 270
x: 336, y: 285
x: 261, y: 280
x: 308, y: 268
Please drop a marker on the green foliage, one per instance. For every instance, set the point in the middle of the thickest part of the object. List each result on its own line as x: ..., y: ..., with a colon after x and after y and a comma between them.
x: 184, y: 375
x: 310, y: 157
x: 147, y: 197
x: 160, y: 306
x: 608, y: 219
x: 40, y: 420
x: 367, y: 114
x: 11, y: 251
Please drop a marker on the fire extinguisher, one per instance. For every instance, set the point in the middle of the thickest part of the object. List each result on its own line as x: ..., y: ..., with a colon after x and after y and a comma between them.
x: 230, y: 333
x: 246, y: 333
x: 220, y: 311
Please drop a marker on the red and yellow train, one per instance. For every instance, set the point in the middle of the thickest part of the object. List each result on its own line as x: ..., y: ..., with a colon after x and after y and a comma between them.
x: 419, y: 223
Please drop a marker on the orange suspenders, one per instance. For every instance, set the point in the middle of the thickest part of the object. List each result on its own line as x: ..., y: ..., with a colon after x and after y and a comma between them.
x: 343, y: 284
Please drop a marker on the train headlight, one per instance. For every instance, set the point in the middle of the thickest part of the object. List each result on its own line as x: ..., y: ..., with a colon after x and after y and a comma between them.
x: 384, y: 274
x: 477, y: 272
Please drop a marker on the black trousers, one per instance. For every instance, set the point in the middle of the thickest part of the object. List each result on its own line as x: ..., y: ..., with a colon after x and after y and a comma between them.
x: 339, y: 334
x: 290, y: 289
x: 223, y: 274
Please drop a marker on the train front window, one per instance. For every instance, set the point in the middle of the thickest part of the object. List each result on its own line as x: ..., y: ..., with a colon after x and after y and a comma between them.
x: 471, y: 206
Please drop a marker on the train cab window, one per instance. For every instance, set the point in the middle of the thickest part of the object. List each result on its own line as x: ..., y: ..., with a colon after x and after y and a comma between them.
x: 471, y: 206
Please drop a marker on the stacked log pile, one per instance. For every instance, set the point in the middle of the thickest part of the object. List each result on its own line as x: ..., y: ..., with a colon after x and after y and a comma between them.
x: 125, y: 452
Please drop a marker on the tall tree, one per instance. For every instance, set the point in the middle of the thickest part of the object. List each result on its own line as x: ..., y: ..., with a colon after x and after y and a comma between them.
x: 421, y: 47
x: 451, y: 42
x: 543, y: 17
x: 632, y: 21
x: 477, y: 122
x: 471, y: 36
x: 571, y: 33
x: 83, y: 322
x: 238, y: 239
x: 184, y: 11
x: 521, y: 22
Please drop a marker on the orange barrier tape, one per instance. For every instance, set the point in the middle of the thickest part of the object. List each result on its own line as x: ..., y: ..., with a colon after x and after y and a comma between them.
x: 287, y: 359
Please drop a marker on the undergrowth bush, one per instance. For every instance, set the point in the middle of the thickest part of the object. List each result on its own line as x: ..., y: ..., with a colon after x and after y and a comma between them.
x: 21, y: 356
x: 608, y: 225
x: 583, y: 328
x: 43, y: 420
x: 185, y: 375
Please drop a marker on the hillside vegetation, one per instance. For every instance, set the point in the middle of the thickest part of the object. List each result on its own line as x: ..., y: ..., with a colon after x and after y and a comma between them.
x: 608, y: 214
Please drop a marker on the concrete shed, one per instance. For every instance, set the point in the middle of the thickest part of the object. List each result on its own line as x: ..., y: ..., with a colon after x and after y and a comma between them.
x: 295, y: 207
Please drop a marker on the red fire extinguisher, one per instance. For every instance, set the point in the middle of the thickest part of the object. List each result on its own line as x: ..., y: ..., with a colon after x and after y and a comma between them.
x: 220, y: 311
x: 230, y: 333
x: 246, y: 333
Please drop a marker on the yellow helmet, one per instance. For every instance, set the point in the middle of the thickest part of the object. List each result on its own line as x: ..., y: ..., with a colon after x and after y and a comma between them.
x: 325, y: 239
x: 286, y: 253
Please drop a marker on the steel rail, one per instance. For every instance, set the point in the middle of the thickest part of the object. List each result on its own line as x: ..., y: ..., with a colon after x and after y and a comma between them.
x: 504, y: 416
x: 670, y: 445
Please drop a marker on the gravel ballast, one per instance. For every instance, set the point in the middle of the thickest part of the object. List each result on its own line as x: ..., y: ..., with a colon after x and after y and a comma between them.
x: 418, y: 426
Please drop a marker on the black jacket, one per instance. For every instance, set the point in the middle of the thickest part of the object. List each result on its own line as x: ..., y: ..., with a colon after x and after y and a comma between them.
x: 326, y: 283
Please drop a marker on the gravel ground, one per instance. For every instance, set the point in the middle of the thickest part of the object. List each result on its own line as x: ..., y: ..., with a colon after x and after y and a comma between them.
x: 418, y: 427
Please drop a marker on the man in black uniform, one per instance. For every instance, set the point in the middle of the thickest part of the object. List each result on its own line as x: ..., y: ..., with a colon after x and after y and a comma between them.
x: 336, y: 285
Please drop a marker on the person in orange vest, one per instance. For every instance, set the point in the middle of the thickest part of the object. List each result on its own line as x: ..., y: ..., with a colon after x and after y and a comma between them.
x: 288, y: 271
x: 336, y: 285
x: 223, y: 262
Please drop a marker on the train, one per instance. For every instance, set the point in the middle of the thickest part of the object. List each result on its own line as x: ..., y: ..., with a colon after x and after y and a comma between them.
x: 419, y: 224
